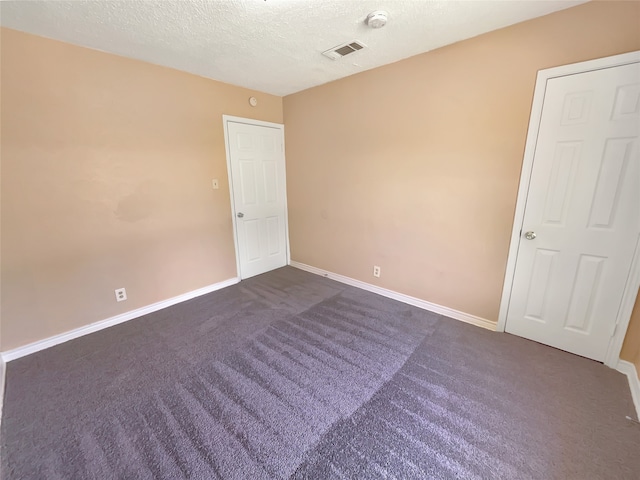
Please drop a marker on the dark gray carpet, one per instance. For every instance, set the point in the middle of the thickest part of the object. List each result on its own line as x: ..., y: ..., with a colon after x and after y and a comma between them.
x: 291, y: 375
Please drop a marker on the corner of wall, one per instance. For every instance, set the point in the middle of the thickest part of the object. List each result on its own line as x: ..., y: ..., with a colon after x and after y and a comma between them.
x: 629, y: 369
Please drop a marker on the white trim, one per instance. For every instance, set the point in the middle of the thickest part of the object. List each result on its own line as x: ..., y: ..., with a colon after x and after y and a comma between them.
x: 251, y: 121
x: 102, y: 324
x: 624, y: 312
x: 259, y: 123
x: 401, y: 297
x: 227, y: 149
x: 3, y: 376
x: 629, y: 369
x: 613, y: 352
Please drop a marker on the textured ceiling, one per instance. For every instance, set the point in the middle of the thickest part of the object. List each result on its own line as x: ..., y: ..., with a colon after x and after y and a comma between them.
x: 269, y: 45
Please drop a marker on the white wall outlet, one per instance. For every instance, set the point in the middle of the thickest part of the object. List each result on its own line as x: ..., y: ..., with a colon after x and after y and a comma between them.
x: 376, y: 271
x: 121, y: 294
x: 214, y: 184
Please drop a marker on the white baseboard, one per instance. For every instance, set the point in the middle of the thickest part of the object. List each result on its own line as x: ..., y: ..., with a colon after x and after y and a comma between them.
x: 3, y: 376
x: 416, y: 302
x: 629, y: 369
x: 123, y: 317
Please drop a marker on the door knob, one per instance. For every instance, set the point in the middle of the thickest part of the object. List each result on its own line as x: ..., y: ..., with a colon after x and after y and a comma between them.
x: 240, y: 215
x: 530, y: 235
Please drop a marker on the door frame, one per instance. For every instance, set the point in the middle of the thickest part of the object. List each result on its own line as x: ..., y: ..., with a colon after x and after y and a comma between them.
x: 633, y: 281
x: 257, y: 123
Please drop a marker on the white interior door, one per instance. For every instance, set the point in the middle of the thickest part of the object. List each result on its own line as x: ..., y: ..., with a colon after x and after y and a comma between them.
x: 583, y: 212
x: 258, y: 189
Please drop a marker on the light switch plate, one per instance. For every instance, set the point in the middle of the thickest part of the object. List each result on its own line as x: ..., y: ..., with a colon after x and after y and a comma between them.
x: 214, y: 184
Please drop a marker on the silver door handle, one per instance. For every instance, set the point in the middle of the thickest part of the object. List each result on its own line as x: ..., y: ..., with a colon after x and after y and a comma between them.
x: 240, y: 215
x: 530, y: 235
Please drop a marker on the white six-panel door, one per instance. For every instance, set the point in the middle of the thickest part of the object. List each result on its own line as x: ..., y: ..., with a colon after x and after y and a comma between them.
x: 582, y: 218
x: 257, y: 173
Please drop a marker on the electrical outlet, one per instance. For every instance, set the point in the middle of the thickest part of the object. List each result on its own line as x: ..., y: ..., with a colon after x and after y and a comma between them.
x: 376, y: 271
x: 121, y: 294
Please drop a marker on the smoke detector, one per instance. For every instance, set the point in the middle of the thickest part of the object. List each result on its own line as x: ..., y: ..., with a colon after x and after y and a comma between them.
x: 377, y: 19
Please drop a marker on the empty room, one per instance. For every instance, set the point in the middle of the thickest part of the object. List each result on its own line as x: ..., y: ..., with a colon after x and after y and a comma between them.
x: 303, y: 239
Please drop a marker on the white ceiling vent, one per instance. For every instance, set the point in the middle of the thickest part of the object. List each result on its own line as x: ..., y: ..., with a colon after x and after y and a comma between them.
x: 344, y: 49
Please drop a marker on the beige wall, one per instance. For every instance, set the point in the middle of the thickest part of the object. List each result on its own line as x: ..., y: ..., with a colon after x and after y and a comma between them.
x: 106, y: 168
x: 415, y: 166
x: 631, y: 347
